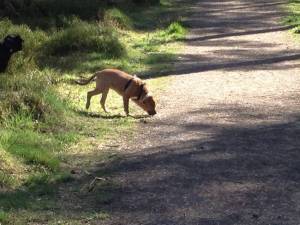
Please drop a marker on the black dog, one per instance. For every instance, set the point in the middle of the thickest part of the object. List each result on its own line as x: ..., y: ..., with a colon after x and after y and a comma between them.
x: 10, y: 45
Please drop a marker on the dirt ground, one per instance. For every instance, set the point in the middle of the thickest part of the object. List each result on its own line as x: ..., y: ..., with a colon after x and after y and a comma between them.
x: 225, y: 146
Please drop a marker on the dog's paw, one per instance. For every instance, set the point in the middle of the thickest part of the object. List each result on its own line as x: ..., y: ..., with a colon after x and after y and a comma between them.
x: 107, y: 111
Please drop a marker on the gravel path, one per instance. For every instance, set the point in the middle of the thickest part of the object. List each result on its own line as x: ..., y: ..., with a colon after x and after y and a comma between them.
x: 225, y: 146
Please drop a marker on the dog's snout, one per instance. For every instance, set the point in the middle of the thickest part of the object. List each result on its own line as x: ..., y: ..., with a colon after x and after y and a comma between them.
x: 152, y: 113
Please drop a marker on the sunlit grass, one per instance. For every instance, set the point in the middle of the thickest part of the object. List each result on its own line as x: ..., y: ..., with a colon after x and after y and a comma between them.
x: 293, y: 17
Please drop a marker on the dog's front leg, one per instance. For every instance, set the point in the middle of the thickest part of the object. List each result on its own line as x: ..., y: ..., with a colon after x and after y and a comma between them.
x: 103, y: 99
x: 126, y: 105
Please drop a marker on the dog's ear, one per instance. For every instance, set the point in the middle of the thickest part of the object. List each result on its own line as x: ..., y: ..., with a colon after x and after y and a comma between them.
x: 142, y: 83
x: 19, y: 38
x: 148, y: 95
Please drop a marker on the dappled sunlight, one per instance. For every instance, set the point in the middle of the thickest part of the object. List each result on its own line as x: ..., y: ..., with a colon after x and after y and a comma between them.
x: 225, y: 39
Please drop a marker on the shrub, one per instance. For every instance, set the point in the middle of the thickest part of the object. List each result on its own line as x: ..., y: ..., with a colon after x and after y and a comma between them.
x: 117, y: 18
x: 86, y: 37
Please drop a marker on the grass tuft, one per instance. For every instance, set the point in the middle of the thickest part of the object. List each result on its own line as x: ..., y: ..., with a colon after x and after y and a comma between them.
x: 175, y: 31
x: 86, y: 37
x: 115, y: 17
x: 293, y: 18
x: 296, y: 30
x: 3, y: 217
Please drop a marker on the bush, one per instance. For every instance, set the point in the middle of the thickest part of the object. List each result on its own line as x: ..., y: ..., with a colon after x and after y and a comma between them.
x: 117, y: 18
x: 86, y: 37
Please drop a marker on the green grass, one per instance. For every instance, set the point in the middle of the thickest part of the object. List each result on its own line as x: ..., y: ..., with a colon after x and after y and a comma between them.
x: 79, y: 35
x: 31, y: 146
x: 45, y: 131
x: 293, y: 17
x: 3, y: 217
x: 117, y: 18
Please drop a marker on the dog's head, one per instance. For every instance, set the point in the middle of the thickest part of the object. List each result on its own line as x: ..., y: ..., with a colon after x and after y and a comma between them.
x: 13, y: 42
x: 147, y: 103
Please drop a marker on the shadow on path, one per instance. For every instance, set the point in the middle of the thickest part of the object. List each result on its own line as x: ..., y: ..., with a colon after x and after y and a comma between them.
x: 242, y: 174
x: 224, y: 36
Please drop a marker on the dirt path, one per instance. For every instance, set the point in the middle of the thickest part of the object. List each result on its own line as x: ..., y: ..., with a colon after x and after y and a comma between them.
x: 224, y: 148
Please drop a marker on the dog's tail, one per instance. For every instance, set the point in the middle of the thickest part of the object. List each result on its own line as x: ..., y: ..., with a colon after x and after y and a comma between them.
x: 85, y: 82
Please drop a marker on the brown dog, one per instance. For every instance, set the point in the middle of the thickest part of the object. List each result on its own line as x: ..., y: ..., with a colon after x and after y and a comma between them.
x: 130, y: 87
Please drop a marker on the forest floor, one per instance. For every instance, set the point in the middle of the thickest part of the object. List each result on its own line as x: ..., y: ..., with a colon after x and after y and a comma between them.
x: 224, y: 147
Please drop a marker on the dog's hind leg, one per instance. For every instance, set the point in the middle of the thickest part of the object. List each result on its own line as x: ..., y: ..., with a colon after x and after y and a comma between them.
x: 90, y: 94
x: 103, y: 99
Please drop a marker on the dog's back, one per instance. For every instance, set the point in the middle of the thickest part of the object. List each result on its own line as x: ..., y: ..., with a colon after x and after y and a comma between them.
x: 118, y: 80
